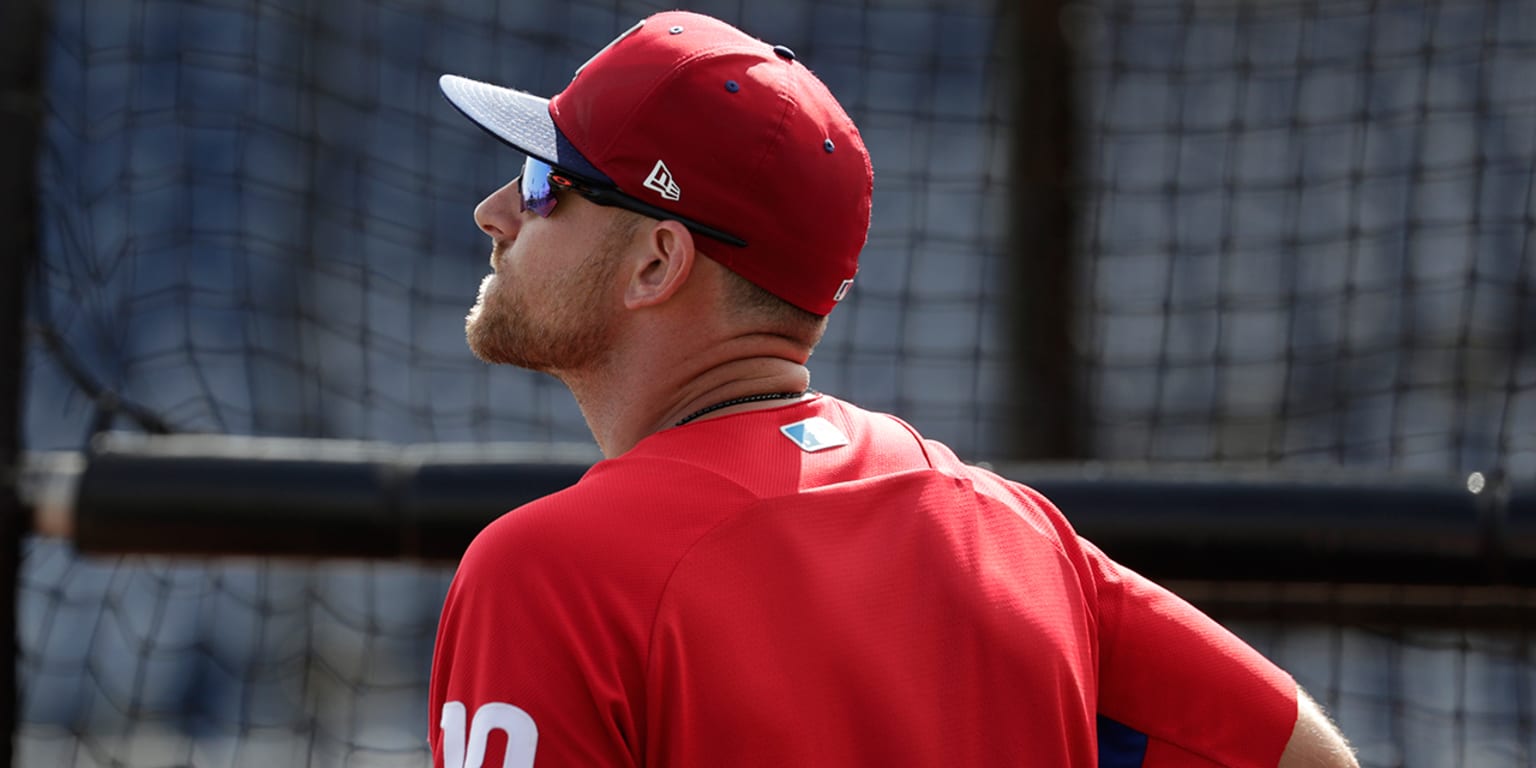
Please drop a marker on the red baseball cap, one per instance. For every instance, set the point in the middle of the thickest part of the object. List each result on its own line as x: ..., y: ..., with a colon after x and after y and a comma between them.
x: 695, y: 117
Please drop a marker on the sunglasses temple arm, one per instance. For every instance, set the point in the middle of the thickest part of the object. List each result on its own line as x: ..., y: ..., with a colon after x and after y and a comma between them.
x: 625, y: 201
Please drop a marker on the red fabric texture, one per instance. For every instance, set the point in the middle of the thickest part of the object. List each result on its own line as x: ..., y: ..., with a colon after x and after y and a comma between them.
x: 719, y: 596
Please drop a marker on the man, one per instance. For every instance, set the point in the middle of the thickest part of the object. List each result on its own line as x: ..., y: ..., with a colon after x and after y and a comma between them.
x: 759, y: 574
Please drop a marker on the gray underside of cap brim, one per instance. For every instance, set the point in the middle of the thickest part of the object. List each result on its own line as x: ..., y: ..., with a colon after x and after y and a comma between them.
x: 520, y: 120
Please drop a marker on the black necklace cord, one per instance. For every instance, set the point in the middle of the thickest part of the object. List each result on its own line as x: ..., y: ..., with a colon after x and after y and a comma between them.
x: 739, y: 401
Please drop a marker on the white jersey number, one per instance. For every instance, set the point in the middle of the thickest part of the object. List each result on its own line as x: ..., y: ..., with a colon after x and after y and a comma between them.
x: 522, y: 735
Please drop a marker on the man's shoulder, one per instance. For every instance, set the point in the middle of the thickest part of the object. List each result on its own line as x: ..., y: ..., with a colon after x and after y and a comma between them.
x: 626, y: 506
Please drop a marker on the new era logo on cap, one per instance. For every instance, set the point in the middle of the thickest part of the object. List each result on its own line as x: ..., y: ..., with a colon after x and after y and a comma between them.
x: 814, y: 434
x: 661, y: 182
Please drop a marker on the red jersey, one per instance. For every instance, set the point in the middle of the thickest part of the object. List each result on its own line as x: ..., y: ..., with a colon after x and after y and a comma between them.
x: 817, y: 585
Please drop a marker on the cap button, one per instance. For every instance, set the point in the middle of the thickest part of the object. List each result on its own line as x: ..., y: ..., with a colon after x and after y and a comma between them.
x: 784, y: 52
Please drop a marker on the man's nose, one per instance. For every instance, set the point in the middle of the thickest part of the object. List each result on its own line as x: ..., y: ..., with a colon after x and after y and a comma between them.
x: 499, y: 214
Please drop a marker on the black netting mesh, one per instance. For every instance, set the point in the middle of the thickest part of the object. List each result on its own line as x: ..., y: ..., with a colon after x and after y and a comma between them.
x: 1307, y: 236
x: 1311, y: 231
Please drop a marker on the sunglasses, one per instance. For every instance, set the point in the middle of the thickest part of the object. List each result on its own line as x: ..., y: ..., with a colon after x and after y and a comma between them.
x: 540, y: 180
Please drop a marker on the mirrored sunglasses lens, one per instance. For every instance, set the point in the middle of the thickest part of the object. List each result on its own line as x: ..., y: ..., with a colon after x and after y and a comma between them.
x: 536, y: 194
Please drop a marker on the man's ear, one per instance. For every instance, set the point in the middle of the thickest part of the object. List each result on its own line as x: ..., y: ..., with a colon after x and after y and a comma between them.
x: 661, y: 265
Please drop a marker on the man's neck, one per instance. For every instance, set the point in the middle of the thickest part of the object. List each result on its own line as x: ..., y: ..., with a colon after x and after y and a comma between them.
x: 622, y: 410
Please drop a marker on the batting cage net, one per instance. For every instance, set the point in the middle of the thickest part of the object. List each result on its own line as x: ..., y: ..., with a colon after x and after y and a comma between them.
x: 1309, y: 231
x: 1303, y: 236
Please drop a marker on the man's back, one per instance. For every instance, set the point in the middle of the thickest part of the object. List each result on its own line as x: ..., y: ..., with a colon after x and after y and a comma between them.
x: 901, y: 619
x: 737, y: 593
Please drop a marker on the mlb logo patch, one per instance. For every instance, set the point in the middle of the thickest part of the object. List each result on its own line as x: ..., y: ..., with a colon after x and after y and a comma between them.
x: 814, y: 434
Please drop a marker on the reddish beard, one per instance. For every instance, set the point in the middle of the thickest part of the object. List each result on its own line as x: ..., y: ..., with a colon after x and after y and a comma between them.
x: 574, y: 330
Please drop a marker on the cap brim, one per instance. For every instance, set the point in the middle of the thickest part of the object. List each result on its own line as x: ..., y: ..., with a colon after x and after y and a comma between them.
x: 519, y: 120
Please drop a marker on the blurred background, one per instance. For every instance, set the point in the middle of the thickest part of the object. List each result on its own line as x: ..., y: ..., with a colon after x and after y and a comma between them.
x: 1272, y: 233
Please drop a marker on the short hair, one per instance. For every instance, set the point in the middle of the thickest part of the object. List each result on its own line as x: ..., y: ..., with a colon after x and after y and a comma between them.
x: 771, y: 314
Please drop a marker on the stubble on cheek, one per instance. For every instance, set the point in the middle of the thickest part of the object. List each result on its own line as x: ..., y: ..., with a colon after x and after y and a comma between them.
x: 550, y: 324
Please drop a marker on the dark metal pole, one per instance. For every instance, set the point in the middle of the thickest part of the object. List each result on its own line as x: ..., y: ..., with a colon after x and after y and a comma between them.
x: 1049, y: 401
x: 22, y: 25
